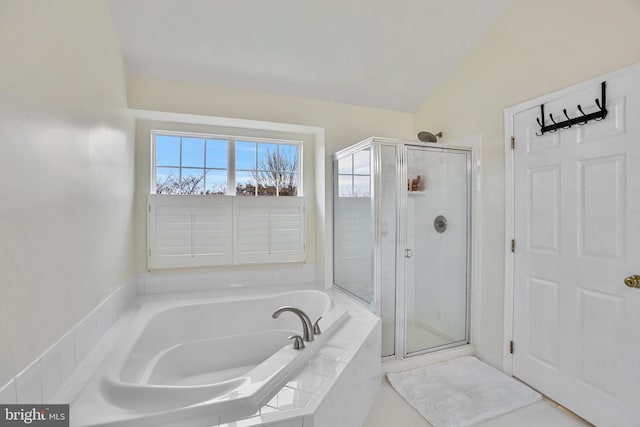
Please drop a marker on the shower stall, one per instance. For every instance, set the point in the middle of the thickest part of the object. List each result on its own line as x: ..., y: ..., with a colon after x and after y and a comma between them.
x: 402, y: 240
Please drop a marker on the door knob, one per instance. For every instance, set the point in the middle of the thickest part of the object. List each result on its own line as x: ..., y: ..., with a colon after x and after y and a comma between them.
x: 632, y: 281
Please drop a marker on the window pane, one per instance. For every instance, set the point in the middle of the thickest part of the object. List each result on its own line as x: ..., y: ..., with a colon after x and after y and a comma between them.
x: 167, y: 180
x: 289, y: 155
x: 361, y: 162
x: 193, y: 152
x: 361, y: 186
x: 217, y: 155
x: 289, y: 185
x: 268, y: 159
x: 345, y: 165
x: 215, y: 182
x: 167, y: 150
x: 245, y: 155
x: 192, y: 181
x: 245, y: 184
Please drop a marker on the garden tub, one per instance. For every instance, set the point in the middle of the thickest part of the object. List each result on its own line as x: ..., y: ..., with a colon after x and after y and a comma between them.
x: 190, y: 362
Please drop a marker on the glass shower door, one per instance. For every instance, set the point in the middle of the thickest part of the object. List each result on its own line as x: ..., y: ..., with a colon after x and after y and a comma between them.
x: 437, y: 233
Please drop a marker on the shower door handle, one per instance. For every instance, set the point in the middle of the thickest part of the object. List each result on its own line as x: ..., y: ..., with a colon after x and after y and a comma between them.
x: 408, y: 253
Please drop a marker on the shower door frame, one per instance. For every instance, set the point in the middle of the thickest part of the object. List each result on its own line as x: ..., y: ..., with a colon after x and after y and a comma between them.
x: 400, y: 335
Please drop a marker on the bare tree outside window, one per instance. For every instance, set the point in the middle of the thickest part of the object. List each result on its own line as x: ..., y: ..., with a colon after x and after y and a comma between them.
x: 192, y: 184
x: 277, y: 175
x: 278, y: 171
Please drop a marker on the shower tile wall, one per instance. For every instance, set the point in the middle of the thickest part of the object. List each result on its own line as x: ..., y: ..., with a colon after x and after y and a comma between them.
x: 437, y: 301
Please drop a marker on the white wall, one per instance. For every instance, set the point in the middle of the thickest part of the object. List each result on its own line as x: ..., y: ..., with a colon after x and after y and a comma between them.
x: 536, y: 47
x: 66, y: 162
x: 343, y: 125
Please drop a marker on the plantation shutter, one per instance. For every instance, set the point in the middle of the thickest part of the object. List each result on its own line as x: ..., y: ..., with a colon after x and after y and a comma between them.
x: 269, y: 229
x: 202, y: 231
x: 189, y: 231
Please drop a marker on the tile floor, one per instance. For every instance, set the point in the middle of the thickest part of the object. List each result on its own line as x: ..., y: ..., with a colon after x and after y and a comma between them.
x: 389, y: 409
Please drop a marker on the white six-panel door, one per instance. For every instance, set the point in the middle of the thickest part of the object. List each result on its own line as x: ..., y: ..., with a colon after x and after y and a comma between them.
x: 576, y: 325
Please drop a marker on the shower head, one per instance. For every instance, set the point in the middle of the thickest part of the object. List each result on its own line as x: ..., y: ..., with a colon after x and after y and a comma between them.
x: 425, y: 136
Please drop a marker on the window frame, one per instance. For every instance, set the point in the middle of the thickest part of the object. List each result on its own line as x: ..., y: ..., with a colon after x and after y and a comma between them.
x: 231, y: 159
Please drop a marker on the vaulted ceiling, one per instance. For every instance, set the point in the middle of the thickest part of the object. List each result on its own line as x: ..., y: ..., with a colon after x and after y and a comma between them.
x: 386, y: 54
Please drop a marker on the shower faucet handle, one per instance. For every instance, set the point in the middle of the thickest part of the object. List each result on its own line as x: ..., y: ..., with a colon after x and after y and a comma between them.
x: 316, y: 327
x: 298, y: 343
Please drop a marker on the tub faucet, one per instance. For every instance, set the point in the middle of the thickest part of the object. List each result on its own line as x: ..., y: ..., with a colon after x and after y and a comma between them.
x: 307, y: 326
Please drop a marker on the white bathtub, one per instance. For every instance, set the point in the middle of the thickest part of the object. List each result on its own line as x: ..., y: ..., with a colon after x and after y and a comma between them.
x: 187, y: 362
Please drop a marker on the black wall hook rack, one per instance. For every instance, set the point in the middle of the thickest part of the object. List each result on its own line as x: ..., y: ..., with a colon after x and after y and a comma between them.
x: 580, y: 120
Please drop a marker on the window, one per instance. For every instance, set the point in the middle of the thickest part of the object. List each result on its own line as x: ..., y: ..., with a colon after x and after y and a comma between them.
x: 354, y: 175
x: 188, y: 229
x: 218, y: 165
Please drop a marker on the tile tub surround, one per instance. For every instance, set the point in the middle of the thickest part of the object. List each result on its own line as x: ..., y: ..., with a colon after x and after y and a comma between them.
x: 160, y: 282
x: 41, y: 381
x: 323, y: 387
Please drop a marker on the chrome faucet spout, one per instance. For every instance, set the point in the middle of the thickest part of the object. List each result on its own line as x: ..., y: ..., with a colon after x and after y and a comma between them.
x: 307, y: 326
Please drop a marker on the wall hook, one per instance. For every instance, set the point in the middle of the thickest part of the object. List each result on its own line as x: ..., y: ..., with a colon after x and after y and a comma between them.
x: 601, y: 109
x: 554, y: 126
x: 581, y: 120
x: 583, y: 115
x: 564, y: 110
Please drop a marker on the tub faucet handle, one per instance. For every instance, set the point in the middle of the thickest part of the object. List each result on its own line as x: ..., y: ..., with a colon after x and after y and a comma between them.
x: 298, y: 343
x: 316, y: 327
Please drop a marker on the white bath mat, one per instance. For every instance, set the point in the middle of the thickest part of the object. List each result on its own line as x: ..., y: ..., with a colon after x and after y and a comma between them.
x: 461, y: 392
